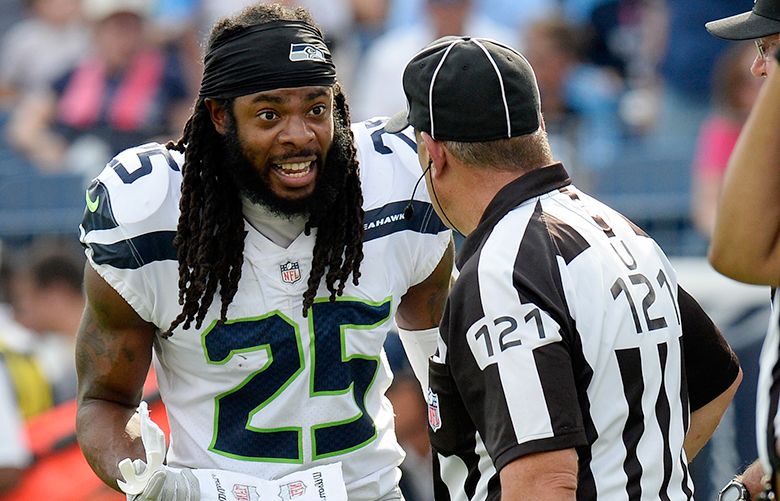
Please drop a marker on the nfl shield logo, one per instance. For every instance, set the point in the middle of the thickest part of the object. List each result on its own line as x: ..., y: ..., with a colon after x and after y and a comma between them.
x: 292, y: 490
x: 434, y: 416
x: 291, y: 272
x: 245, y: 493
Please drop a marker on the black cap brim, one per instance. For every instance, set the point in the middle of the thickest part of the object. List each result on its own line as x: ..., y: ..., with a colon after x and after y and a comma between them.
x: 398, y: 122
x: 745, y: 26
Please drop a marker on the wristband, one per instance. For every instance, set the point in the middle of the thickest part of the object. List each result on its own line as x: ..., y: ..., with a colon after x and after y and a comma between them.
x: 419, y: 346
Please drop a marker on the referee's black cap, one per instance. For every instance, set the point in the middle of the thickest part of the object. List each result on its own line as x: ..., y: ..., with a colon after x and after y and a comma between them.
x: 469, y: 90
x: 763, y: 20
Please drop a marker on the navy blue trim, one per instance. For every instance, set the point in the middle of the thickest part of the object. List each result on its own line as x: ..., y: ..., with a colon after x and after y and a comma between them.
x: 103, y: 217
x: 390, y: 219
x: 136, y: 252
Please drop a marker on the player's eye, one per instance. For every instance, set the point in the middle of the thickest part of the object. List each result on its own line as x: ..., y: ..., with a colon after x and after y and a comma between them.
x: 318, y: 110
x: 267, y: 115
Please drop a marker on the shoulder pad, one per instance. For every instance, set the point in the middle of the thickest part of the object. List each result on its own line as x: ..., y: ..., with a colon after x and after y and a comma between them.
x: 372, y: 140
x: 137, y: 180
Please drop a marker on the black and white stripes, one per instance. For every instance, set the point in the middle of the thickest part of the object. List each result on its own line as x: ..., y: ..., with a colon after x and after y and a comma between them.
x: 562, y: 331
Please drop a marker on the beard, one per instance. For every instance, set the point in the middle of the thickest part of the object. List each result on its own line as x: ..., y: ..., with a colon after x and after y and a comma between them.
x: 253, y: 184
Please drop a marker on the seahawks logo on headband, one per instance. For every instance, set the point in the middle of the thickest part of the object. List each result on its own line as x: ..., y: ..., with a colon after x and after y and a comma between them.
x: 306, y: 52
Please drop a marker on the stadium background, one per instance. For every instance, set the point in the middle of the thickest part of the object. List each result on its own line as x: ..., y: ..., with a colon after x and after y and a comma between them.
x: 627, y: 87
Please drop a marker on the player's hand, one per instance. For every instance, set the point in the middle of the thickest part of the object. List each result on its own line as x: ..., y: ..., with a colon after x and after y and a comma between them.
x: 168, y: 484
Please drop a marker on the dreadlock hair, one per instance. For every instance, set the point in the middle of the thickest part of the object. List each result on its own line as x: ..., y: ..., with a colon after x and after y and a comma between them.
x: 210, y: 234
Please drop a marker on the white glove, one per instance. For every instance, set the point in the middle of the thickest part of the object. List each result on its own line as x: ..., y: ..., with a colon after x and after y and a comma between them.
x: 150, y: 480
x: 168, y: 484
x: 136, y: 474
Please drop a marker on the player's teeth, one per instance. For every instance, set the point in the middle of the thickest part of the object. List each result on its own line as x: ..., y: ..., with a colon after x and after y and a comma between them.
x: 295, y: 166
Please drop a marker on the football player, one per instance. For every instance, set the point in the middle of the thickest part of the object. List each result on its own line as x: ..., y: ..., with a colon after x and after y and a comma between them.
x: 263, y: 269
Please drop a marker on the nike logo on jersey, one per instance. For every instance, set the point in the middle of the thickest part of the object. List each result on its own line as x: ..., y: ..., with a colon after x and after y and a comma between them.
x: 92, y: 206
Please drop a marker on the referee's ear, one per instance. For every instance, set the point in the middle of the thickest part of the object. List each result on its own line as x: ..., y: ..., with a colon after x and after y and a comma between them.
x: 437, y: 153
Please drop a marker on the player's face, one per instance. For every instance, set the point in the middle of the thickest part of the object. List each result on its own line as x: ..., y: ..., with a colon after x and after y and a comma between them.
x: 285, y: 136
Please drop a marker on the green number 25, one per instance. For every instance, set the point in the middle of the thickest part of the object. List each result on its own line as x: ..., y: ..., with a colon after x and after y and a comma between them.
x: 333, y: 372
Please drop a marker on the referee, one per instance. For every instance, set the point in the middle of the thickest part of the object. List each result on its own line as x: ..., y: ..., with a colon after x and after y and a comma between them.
x: 570, y: 364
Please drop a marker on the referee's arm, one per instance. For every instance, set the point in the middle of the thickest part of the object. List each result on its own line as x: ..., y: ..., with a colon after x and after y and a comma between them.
x: 541, y: 476
x: 712, y: 372
x: 705, y: 420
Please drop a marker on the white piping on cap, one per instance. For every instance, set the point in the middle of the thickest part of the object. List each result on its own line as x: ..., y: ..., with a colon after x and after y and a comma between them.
x: 500, y: 83
x: 433, y: 80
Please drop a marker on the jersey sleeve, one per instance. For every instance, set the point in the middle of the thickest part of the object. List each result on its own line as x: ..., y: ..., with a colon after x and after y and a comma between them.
x: 710, y: 364
x: 130, y: 221
x: 512, y: 368
x: 392, y: 184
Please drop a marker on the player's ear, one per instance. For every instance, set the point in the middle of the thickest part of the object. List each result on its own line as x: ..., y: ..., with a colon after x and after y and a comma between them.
x: 218, y: 114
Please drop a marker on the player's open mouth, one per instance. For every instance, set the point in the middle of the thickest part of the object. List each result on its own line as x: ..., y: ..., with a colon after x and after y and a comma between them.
x: 294, y: 170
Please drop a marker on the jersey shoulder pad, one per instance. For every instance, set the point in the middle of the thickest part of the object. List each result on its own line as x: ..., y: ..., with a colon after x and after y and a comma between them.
x: 137, y: 182
x: 389, y: 166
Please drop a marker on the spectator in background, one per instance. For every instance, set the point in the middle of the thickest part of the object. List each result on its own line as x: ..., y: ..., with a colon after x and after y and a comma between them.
x: 580, y: 99
x: 37, y: 371
x: 37, y: 50
x: 370, y: 18
x: 124, y: 93
x: 378, y: 88
x: 510, y: 14
x: 686, y: 70
x: 47, y: 298
x: 734, y: 92
x: 347, y: 24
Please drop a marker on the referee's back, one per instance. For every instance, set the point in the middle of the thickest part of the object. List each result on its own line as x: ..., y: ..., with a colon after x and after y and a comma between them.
x: 588, y: 354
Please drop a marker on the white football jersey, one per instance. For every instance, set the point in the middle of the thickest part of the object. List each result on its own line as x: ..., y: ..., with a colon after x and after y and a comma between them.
x: 271, y: 391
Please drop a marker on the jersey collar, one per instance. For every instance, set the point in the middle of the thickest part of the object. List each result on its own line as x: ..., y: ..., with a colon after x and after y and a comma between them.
x: 525, y: 187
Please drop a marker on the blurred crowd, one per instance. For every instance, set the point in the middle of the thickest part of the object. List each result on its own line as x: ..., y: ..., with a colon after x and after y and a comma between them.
x: 83, y: 79
x: 638, y: 99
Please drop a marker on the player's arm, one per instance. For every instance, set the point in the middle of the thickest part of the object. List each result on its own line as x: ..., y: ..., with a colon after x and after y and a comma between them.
x: 712, y: 371
x: 542, y: 476
x: 419, y: 314
x: 113, y: 354
x: 746, y: 242
x: 423, y: 304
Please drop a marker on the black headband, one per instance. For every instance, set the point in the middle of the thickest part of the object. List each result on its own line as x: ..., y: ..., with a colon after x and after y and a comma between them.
x: 273, y: 55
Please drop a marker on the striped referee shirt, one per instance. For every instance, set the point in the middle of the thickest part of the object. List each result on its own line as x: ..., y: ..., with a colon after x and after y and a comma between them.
x: 562, y: 331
